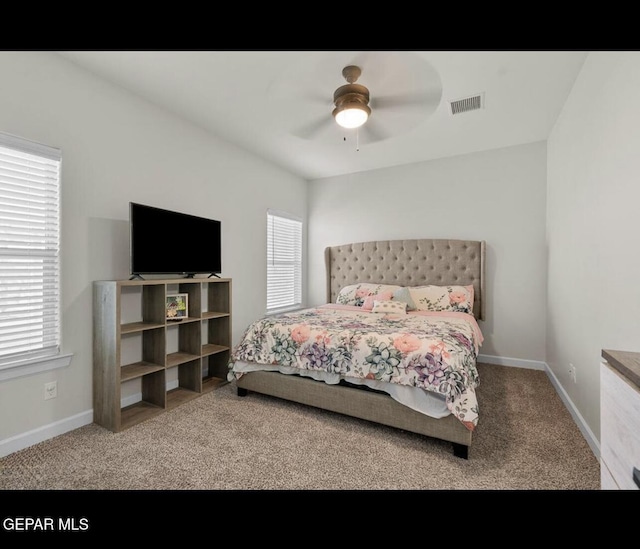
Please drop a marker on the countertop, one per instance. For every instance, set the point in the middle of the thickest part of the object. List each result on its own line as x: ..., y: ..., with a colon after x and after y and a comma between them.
x: 627, y: 363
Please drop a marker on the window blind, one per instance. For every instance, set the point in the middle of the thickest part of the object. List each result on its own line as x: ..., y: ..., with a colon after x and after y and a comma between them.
x: 284, y: 261
x: 29, y: 249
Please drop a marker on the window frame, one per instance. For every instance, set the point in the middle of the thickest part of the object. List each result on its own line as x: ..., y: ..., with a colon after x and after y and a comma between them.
x: 297, y: 305
x: 35, y: 361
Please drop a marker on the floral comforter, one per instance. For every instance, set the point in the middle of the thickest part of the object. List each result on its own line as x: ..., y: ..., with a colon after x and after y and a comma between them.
x: 434, y: 351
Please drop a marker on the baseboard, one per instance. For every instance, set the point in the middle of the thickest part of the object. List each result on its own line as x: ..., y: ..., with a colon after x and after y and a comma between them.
x: 592, y: 441
x: 587, y: 433
x: 515, y: 362
x: 24, y: 440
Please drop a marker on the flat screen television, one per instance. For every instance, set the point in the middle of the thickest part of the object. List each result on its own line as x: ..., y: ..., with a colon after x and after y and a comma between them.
x: 169, y: 242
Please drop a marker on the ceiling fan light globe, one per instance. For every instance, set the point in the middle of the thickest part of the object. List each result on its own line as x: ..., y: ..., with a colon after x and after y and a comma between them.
x: 352, y: 116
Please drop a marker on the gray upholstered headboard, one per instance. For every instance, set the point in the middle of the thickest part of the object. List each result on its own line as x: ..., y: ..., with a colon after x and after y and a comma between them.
x: 415, y: 262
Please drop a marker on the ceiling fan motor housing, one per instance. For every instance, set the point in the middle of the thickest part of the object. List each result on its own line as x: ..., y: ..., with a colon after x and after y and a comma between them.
x: 349, y: 94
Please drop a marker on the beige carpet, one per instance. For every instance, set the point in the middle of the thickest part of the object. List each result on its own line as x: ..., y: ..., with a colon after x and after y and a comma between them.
x: 525, y: 440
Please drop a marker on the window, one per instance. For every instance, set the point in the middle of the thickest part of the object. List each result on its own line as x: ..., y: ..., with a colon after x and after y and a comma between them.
x: 284, y: 261
x: 29, y: 254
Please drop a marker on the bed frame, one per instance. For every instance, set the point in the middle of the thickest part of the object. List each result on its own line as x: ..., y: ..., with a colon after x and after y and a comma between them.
x: 414, y: 262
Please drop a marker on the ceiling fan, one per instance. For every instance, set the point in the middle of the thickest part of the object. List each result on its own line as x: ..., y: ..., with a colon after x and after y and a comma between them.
x: 355, y: 108
x: 351, y: 100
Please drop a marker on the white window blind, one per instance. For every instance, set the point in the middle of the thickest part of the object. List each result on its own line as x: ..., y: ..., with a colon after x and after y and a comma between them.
x: 284, y: 261
x: 29, y: 250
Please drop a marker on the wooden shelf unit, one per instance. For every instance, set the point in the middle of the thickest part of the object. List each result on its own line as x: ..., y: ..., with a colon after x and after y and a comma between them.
x: 200, y: 359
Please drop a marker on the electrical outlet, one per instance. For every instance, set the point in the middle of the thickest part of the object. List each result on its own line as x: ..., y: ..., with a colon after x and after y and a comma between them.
x: 50, y: 390
x: 572, y: 372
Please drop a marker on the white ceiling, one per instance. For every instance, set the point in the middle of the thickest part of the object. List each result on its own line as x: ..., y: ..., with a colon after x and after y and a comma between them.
x: 267, y: 101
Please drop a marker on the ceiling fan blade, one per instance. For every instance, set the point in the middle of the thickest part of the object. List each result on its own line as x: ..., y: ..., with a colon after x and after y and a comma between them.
x: 373, y: 131
x: 428, y: 99
x: 313, y: 128
x: 318, y: 99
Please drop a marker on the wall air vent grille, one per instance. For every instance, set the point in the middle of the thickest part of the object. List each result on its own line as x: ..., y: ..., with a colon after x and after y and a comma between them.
x: 466, y: 104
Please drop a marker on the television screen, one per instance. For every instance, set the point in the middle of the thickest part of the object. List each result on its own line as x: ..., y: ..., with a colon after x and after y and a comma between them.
x: 168, y: 242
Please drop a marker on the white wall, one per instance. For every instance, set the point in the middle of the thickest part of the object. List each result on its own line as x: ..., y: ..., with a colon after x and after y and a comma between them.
x: 497, y: 196
x: 117, y: 148
x: 593, y: 225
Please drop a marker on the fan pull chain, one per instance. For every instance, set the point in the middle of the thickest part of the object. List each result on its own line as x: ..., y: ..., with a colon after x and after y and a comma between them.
x: 344, y: 138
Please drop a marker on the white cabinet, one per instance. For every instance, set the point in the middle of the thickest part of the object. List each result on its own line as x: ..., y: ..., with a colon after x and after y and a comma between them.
x: 619, y: 421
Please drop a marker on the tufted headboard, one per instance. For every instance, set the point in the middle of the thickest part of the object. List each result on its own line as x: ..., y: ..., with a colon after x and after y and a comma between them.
x: 415, y: 262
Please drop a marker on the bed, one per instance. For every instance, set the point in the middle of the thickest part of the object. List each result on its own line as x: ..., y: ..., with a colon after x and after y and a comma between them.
x: 395, y: 343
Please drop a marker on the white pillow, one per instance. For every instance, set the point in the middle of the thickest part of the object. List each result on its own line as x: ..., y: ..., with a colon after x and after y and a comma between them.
x: 394, y: 307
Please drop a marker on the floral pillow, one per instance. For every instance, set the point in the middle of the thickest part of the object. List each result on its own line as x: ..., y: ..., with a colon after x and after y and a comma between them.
x: 392, y: 307
x: 357, y: 293
x: 443, y: 298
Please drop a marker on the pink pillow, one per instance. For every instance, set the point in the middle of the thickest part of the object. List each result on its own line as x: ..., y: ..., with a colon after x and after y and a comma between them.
x: 382, y: 296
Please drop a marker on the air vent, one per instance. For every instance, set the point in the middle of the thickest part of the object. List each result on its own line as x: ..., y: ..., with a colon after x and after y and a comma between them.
x: 466, y: 104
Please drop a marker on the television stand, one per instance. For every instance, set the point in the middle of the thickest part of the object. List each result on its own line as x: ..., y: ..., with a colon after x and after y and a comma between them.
x: 192, y: 354
x: 213, y: 274
x: 134, y: 277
